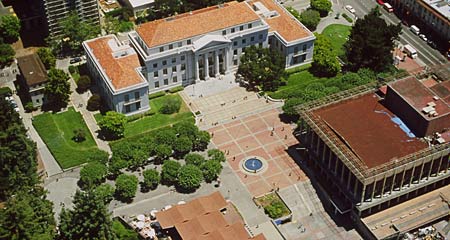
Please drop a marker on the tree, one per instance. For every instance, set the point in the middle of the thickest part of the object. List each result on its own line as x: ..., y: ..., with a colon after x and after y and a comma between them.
x: 94, y: 102
x: 79, y: 135
x: 89, y: 218
x: 289, y: 106
x: 112, y: 125
x: 84, y: 83
x: 47, y: 57
x: 322, y: 6
x: 57, y: 89
x: 202, y: 140
x: 27, y: 216
x: 151, y: 179
x: 325, y: 63
x: 170, y: 171
x: 77, y: 31
x: 111, y: 24
x: 162, y: 152
x: 10, y: 28
x: 216, y: 154
x: 182, y: 145
x: 170, y: 105
x: 105, y: 192
x: 116, y: 165
x: 189, y: 178
x: 211, y: 170
x: 186, y: 128
x: 92, y: 174
x: 371, y: 42
x: 194, y: 159
x: 134, y: 153
x: 262, y: 67
x: 310, y: 18
x: 165, y: 136
x: 126, y: 186
x: 7, y: 54
x: 274, y: 210
x: 294, y: 12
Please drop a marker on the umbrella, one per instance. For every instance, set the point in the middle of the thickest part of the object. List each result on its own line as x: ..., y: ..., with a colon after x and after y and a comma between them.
x: 181, y: 202
x: 140, y: 225
x: 141, y: 217
x: 167, y: 207
x: 153, y: 213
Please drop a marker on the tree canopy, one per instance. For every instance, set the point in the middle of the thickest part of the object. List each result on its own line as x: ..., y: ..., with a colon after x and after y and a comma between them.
x: 112, y: 125
x: 371, y: 42
x: 194, y: 159
x: 47, y: 57
x: 189, y: 178
x: 262, y: 67
x: 57, y: 90
x: 89, y: 218
x: 211, y: 170
x: 9, y: 28
x: 322, y: 6
x: 126, y: 186
x: 7, y: 54
x: 325, y: 63
x: 170, y: 171
x: 182, y: 145
x: 93, y: 174
x: 75, y: 31
x: 310, y: 18
x: 151, y: 179
x: 216, y: 154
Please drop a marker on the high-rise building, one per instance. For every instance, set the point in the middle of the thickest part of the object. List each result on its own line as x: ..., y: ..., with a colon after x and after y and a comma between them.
x: 58, y: 10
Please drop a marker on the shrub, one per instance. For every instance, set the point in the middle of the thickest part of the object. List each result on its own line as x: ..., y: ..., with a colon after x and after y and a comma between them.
x: 93, y: 174
x: 94, y: 102
x: 176, y: 89
x: 170, y: 105
x: 274, y: 210
x: 84, y: 82
x: 156, y: 95
x: 151, y: 179
x: 182, y: 145
x: 194, y: 159
x: 211, y: 170
x: 126, y: 186
x: 122, y: 232
x: 73, y: 69
x: 189, y: 178
x: 5, y: 91
x: 162, y: 152
x: 216, y: 154
x: 79, y: 135
x: 105, y: 192
x: 310, y: 18
x: 170, y: 171
x: 349, y: 19
x: 29, y: 107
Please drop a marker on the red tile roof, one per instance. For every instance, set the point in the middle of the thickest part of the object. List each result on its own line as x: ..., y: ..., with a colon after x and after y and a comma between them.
x: 121, y: 71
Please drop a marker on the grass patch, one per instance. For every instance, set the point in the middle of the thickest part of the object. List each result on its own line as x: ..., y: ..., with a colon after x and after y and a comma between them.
x: 123, y: 232
x: 273, y: 205
x: 158, y: 120
x: 57, y: 132
x: 295, y: 82
x: 338, y: 35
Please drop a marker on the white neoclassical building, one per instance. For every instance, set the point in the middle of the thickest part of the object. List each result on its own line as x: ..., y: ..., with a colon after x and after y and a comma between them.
x: 194, y: 46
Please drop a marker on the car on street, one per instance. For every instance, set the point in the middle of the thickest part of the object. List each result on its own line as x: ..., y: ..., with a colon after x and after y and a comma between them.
x: 423, y: 37
x: 350, y: 9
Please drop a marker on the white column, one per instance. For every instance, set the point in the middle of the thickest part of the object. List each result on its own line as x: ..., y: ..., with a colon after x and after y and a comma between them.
x: 216, y: 63
x: 196, y: 70
x: 206, y: 66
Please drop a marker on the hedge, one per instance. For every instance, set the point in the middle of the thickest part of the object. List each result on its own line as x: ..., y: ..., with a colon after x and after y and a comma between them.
x: 156, y: 95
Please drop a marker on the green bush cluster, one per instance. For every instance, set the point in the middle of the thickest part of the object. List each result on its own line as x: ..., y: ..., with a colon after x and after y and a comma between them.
x: 170, y: 105
x: 176, y: 89
x: 156, y: 95
x: 349, y: 19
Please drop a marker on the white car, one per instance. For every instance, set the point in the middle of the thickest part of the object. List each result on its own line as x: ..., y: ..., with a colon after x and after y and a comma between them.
x: 350, y: 9
x: 423, y: 37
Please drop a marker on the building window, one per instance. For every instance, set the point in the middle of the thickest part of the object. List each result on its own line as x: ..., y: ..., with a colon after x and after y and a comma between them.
x: 241, y: 28
x: 189, y: 41
x: 175, y: 79
x: 170, y: 46
x: 37, y: 100
x: 243, y: 50
x: 174, y: 60
x: 232, y: 30
x: 260, y: 36
x: 165, y: 71
x: 138, y: 105
x: 157, y: 84
x: 182, y: 58
x: 235, y: 43
x: 164, y: 63
x: 183, y: 67
x: 137, y: 95
x: 244, y: 41
x: 296, y: 50
x: 224, y: 32
x: 126, y: 97
x: 235, y: 62
x: 155, y: 65
x: 161, y: 49
x: 174, y: 69
x: 155, y: 74
x: 166, y: 81
x: 249, y: 25
x: 252, y: 39
x: 127, y: 109
x: 180, y: 44
x: 304, y: 48
x: 235, y: 52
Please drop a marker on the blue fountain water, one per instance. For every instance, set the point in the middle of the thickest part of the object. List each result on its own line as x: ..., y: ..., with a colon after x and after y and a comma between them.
x: 253, y: 164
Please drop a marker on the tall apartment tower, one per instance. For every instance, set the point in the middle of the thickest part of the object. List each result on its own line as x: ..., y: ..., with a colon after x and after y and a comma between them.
x: 58, y: 10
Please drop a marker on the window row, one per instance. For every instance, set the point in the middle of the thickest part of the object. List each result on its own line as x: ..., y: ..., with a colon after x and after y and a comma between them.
x: 244, y: 40
x: 241, y: 28
x: 165, y: 70
x: 172, y: 45
x: 166, y: 81
x: 137, y: 96
x: 173, y: 60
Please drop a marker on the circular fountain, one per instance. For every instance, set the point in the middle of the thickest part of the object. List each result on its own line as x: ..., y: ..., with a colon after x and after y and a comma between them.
x: 253, y: 164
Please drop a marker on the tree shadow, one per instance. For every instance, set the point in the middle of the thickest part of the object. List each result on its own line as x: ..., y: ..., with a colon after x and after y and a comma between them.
x: 286, y: 118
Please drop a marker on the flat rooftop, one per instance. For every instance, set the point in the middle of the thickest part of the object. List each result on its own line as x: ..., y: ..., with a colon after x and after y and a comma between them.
x: 417, y: 95
x: 442, y: 90
x: 32, y: 69
x: 215, y: 18
x: 118, y: 61
x: 369, y: 130
x: 411, y: 214
x: 440, y: 6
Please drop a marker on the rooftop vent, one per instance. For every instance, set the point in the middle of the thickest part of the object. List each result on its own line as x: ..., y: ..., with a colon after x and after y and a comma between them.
x: 431, y: 104
x: 436, y: 98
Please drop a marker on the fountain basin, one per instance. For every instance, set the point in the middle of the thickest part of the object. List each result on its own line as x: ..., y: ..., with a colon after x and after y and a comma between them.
x: 253, y: 164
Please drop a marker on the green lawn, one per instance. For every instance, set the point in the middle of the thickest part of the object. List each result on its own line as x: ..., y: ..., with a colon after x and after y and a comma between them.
x: 295, y: 82
x: 338, y: 35
x: 57, y: 131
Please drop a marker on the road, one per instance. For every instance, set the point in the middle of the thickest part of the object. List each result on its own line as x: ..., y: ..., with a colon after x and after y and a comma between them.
x: 427, y: 54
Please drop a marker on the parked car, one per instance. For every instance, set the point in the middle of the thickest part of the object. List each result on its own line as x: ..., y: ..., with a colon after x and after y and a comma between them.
x: 423, y: 37
x: 350, y: 9
x: 75, y: 60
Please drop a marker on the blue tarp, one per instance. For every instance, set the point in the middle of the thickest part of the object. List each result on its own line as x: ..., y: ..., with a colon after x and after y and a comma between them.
x: 400, y: 123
